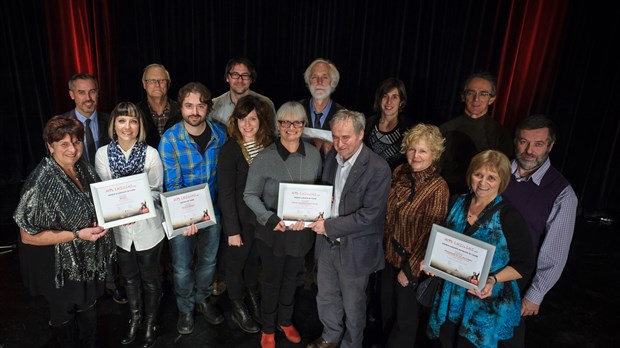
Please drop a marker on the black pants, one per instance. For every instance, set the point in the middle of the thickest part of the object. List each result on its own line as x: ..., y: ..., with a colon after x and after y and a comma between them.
x: 278, y: 288
x: 241, y: 267
x: 450, y: 338
x: 400, y: 310
x: 141, y: 268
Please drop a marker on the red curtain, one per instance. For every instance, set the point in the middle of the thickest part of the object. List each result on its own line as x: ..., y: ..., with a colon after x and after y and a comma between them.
x: 79, y: 41
x: 528, y: 60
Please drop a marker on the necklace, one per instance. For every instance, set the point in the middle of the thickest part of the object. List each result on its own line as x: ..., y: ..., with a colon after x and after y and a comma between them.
x: 301, y: 160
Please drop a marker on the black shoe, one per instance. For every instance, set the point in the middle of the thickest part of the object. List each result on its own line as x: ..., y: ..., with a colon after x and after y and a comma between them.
x: 117, y: 294
x: 213, y: 315
x: 185, y: 323
x: 253, y: 304
x: 242, y: 318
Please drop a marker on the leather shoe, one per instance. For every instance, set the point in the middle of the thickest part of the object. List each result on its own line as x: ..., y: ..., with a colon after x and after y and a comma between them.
x: 213, y: 315
x: 321, y: 343
x: 118, y: 295
x: 291, y: 333
x: 185, y: 323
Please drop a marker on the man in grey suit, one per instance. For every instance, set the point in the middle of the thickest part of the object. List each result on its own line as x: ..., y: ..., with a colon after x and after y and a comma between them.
x: 349, y: 244
x: 84, y: 90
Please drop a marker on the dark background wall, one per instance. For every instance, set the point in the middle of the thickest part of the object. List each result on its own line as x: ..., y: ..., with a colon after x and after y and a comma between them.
x: 551, y: 56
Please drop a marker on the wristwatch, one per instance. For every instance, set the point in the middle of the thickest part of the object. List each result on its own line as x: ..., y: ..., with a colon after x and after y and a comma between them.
x: 76, y: 234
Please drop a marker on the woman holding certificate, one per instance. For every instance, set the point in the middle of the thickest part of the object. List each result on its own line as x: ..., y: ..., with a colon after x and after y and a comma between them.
x: 139, y: 244
x: 418, y: 199
x: 63, y: 253
x: 481, y: 318
x: 281, y: 248
x: 249, y: 133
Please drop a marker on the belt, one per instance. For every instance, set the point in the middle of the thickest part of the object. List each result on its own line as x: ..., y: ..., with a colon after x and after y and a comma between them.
x: 332, y: 242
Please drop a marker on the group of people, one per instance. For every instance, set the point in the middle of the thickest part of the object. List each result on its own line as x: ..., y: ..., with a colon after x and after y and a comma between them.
x: 392, y: 180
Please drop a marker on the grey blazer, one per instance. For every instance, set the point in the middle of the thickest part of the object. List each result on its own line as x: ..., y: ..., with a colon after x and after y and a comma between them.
x: 361, y: 213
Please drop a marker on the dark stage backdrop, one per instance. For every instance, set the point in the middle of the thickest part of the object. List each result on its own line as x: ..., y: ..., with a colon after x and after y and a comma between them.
x: 551, y: 56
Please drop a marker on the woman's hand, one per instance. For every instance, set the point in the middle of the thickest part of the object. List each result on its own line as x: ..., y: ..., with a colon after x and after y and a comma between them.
x: 281, y: 226
x: 235, y: 240
x: 91, y: 234
x: 402, y: 279
x: 486, y: 291
x: 297, y: 226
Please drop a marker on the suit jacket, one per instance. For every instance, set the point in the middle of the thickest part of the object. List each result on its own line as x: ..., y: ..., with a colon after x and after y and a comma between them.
x: 335, y: 107
x: 361, y: 213
x: 103, y: 120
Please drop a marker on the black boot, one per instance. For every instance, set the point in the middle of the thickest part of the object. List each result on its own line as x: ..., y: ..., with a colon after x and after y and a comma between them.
x: 135, y: 309
x: 66, y: 335
x: 151, y: 307
x: 87, y: 324
x: 253, y: 301
x: 242, y: 318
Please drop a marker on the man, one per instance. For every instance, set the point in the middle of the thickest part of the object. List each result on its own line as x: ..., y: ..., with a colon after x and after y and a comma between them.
x: 349, y: 245
x: 189, y: 151
x: 472, y: 132
x: 549, y: 205
x: 159, y: 111
x: 239, y: 75
x: 321, y: 77
x: 84, y: 91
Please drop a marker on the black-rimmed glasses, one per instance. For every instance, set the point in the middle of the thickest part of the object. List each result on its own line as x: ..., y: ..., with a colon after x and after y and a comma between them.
x: 236, y: 76
x: 287, y: 124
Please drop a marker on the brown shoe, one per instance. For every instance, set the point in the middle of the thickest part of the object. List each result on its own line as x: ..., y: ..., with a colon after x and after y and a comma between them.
x: 321, y: 343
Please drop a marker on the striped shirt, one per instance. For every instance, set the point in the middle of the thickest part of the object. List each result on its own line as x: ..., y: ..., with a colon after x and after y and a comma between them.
x: 553, y: 252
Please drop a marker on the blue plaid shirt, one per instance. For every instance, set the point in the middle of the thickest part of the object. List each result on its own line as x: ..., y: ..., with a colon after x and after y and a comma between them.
x: 184, y: 165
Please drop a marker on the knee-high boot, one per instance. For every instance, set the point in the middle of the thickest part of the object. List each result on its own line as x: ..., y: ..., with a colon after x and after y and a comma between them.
x: 87, y: 324
x: 135, y: 309
x: 151, y: 308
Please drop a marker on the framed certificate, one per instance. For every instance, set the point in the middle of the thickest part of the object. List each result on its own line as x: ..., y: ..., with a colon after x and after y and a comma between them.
x: 123, y: 200
x: 303, y: 202
x: 458, y: 258
x: 186, y: 206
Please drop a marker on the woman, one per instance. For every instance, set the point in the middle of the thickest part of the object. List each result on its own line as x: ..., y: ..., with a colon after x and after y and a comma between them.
x: 468, y: 318
x: 418, y: 199
x: 63, y: 253
x: 384, y: 130
x: 249, y: 133
x: 139, y: 244
x: 281, y: 248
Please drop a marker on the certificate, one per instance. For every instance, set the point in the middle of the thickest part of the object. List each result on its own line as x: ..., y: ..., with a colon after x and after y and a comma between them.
x: 318, y: 134
x: 302, y: 202
x: 123, y: 200
x: 457, y: 258
x: 186, y: 206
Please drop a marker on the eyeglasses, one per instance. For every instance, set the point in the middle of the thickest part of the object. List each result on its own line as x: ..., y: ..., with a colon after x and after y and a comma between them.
x: 287, y: 124
x: 153, y: 82
x: 472, y: 94
x: 235, y: 75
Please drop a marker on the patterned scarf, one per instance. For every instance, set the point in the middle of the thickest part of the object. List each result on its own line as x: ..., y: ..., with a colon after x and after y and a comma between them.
x: 122, y: 167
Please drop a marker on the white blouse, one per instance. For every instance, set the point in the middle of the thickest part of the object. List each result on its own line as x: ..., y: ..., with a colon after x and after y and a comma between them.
x: 144, y: 234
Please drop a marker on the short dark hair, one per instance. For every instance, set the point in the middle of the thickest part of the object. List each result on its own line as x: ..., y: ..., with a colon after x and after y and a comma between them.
x: 59, y: 126
x: 196, y: 87
x: 245, y: 105
x: 241, y: 60
x: 126, y: 109
x: 82, y: 76
x: 385, y: 86
x: 485, y: 75
x: 537, y: 121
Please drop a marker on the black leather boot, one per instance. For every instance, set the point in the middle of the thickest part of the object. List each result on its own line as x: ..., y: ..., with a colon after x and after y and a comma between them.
x: 242, y: 318
x: 151, y: 307
x: 253, y: 301
x: 135, y: 309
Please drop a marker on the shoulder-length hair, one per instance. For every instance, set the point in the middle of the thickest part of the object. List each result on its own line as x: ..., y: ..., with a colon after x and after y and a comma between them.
x: 126, y: 109
x: 385, y: 86
x: 245, y: 105
x: 427, y: 132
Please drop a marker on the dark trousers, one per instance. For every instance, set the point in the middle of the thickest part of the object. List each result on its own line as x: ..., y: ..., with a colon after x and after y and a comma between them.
x: 278, y: 288
x: 450, y: 338
x: 518, y: 339
x: 241, y: 267
x: 400, y: 310
x: 141, y: 269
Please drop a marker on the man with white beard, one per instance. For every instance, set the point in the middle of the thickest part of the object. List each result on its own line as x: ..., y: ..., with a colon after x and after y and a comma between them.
x: 321, y: 77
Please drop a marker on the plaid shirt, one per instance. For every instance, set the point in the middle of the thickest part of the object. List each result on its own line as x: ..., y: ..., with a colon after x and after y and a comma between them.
x: 184, y: 165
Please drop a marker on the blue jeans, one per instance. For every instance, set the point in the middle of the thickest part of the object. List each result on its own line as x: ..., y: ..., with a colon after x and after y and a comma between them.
x: 193, y: 264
